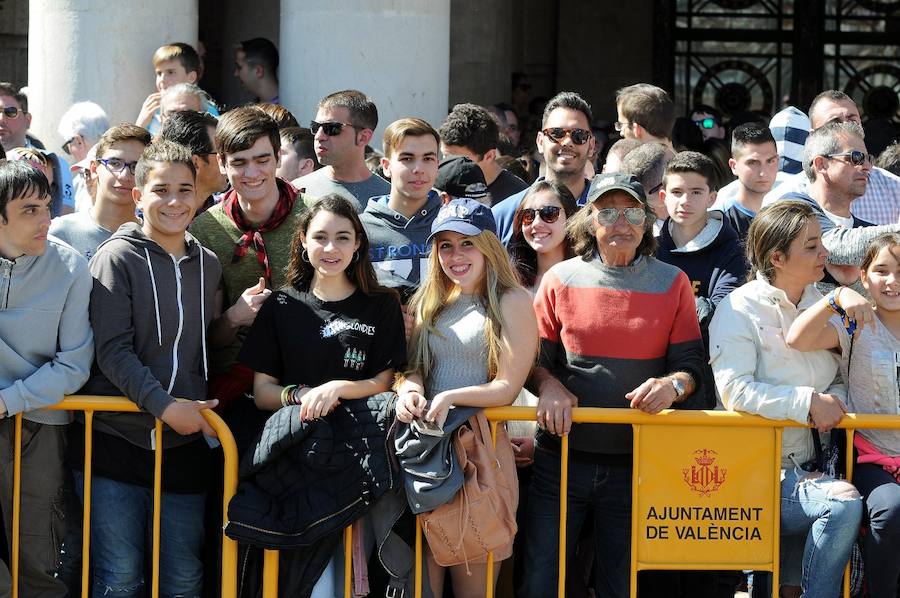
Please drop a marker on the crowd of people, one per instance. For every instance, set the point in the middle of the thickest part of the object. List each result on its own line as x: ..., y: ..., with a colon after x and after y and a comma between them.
x: 350, y: 312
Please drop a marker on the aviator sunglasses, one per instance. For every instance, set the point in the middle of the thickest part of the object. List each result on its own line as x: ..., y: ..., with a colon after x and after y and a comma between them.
x: 331, y: 129
x: 548, y: 214
x: 609, y: 216
x: 578, y: 136
x: 856, y: 157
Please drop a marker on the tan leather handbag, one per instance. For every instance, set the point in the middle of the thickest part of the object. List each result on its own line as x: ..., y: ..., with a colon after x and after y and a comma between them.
x: 481, y: 518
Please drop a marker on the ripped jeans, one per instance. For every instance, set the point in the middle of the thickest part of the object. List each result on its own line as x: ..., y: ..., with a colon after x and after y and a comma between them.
x: 827, y: 512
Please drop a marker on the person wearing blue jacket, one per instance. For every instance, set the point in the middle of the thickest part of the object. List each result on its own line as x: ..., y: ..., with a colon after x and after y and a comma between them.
x: 46, y: 348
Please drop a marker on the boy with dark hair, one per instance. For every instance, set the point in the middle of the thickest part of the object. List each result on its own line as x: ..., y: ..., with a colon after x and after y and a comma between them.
x: 113, y: 169
x: 645, y: 113
x: 250, y: 232
x: 256, y: 67
x: 754, y: 161
x: 173, y: 64
x: 471, y: 132
x: 344, y: 125
x: 47, y: 352
x: 153, y: 298
x: 699, y: 242
x: 298, y: 157
x: 398, y: 224
x: 709, y: 121
x: 196, y: 131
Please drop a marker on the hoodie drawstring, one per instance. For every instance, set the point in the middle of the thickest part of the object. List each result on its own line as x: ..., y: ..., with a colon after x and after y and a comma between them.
x: 155, y: 297
x: 203, y: 317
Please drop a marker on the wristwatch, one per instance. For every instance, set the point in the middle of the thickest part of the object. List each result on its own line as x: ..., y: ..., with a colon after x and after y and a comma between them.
x: 679, y: 387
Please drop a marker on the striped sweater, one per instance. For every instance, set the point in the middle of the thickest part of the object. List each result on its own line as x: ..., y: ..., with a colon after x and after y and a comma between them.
x: 605, y: 330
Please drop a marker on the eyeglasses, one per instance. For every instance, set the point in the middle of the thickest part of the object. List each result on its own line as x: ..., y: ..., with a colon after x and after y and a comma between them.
x: 12, y: 111
x: 65, y: 146
x: 609, y: 216
x: 557, y: 134
x: 706, y: 123
x: 117, y: 166
x: 656, y: 189
x: 548, y: 214
x: 619, y: 126
x: 331, y: 129
x: 856, y: 157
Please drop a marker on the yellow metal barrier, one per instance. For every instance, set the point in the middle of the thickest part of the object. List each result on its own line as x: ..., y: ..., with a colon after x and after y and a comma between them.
x: 638, y: 420
x: 90, y: 405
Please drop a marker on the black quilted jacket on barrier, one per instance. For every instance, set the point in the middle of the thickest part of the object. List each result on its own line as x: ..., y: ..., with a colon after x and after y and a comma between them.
x: 306, y: 481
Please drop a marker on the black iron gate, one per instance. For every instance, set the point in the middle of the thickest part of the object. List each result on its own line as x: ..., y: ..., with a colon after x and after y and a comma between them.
x: 758, y: 55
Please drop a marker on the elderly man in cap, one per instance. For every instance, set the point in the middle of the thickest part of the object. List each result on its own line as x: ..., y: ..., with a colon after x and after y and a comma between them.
x: 614, y: 289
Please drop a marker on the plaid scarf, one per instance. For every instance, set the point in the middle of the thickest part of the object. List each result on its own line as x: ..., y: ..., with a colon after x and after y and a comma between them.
x: 287, y: 195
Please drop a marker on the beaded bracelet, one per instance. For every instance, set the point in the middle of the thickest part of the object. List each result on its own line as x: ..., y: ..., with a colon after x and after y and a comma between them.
x: 294, y: 397
x: 848, y: 322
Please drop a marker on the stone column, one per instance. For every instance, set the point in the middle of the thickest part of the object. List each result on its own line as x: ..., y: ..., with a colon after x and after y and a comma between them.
x: 395, y: 51
x: 99, y: 51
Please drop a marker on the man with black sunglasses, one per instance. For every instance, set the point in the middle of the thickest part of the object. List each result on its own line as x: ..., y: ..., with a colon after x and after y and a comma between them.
x: 880, y: 204
x: 113, y: 169
x: 565, y: 140
x: 838, y: 168
x: 344, y: 124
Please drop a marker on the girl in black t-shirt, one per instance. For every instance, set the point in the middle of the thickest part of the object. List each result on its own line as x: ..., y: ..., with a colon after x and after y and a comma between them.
x: 332, y: 333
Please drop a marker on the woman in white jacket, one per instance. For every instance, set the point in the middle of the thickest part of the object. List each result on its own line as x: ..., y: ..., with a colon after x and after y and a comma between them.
x: 756, y: 372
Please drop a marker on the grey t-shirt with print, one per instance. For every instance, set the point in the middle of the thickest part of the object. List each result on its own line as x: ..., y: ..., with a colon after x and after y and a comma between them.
x: 80, y: 231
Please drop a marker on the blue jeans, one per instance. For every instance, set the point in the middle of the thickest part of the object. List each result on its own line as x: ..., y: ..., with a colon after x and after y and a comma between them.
x: 881, y: 546
x: 121, y: 527
x: 829, y: 524
x: 604, y: 491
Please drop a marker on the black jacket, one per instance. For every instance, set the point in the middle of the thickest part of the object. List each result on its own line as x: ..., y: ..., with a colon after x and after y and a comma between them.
x: 305, y: 482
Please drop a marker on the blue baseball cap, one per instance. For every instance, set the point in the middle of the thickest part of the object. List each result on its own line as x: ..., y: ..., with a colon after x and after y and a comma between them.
x: 464, y: 216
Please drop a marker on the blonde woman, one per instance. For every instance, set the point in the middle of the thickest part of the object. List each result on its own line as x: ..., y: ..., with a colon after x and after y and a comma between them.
x: 473, y: 345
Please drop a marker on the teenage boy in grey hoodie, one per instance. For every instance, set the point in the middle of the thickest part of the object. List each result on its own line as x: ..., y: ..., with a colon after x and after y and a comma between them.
x: 46, y: 347
x: 152, y: 301
x: 398, y: 225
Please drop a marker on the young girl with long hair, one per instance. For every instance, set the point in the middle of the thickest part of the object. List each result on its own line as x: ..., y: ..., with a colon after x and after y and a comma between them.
x: 539, y: 231
x: 332, y: 333
x: 474, y: 342
x: 871, y: 360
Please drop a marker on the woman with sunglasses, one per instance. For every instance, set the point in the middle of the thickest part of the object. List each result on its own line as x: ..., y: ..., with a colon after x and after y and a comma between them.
x: 539, y: 231
x: 618, y: 328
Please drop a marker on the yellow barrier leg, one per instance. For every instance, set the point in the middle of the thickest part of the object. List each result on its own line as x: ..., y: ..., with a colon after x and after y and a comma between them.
x: 849, y: 432
x: 157, y: 508
x: 86, y: 525
x: 270, y: 574
x: 776, y: 519
x: 420, y: 562
x: 17, y: 503
x: 563, y: 513
x: 635, y: 478
x: 489, y: 590
x: 229, y: 487
x: 348, y: 560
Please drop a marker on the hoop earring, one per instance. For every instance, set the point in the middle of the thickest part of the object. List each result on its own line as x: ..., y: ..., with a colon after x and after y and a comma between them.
x: 355, y: 257
x: 304, y: 256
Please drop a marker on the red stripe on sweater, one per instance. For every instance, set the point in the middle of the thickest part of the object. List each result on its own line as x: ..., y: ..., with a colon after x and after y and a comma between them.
x: 621, y: 324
